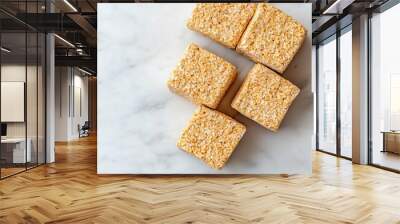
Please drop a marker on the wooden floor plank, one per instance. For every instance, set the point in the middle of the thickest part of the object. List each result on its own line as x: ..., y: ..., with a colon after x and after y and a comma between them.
x: 70, y: 191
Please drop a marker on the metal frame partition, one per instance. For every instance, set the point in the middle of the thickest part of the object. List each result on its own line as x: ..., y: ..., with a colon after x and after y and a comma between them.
x: 40, y: 37
x: 336, y: 38
x: 340, y: 31
x: 389, y: 4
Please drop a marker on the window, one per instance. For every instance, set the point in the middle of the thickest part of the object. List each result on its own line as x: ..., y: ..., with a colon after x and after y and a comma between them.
x: 346, y: 92
x: 385, y: 89
x: 326, y: 84
x: 394, y: 102
x: 334, y: 94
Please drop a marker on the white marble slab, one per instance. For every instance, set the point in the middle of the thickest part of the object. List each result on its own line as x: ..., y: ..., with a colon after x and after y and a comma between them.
x: 140, y: 120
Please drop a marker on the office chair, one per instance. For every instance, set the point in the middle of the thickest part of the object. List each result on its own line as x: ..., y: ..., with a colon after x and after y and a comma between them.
x: 84, y: 130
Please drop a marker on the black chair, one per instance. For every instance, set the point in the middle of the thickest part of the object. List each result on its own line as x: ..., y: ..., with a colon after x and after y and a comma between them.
x: 84, y: 130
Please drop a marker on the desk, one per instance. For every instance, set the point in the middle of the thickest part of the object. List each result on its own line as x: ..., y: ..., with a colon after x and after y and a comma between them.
x: 391, y: 141
x: 17, y: 150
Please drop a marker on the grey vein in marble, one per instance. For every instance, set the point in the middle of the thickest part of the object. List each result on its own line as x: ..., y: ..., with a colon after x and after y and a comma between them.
x: 140, y: 120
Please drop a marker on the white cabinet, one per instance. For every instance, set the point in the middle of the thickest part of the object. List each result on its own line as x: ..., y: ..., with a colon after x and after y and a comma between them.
x: 18, y: 149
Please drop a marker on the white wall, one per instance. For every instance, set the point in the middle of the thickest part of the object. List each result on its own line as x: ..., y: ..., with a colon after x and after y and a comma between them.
x: 79, y: 117
x: 17, y: 72
x: 69, y: 84
x: 62, y: 81
x: 14, y: 72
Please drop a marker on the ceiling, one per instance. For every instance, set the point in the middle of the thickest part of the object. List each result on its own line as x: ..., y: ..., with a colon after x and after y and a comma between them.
x: 76, y: 22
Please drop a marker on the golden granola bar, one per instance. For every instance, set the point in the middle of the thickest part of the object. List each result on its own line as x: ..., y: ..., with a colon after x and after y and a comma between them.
x: 272, y: 38
x: 211, y: 136
x: 202, y: 77
x: 222, y: 22
x: 265, y: 97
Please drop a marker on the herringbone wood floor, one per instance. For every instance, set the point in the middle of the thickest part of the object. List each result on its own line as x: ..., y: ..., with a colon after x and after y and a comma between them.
x: 69, y: 191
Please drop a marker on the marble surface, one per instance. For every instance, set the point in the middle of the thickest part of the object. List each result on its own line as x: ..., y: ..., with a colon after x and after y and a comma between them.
x: 140, y: 120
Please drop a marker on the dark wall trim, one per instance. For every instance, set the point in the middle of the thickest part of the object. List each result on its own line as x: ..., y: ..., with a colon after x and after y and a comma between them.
x: 387, y: 5
x: 338, y: 100
x: 369, y: 79
x: 0, y: 93
x: 333, y: 29
x: 333, y: 154
x: 317, y: 96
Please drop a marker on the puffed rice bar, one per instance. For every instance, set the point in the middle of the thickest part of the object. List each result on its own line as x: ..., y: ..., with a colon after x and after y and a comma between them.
x: 265, y: 97
x: 222, y: 22
x: 272, y: 38
x: 211, y: 136
x: 202, y: 77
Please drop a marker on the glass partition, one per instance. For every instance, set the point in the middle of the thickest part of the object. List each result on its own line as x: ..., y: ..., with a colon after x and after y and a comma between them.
x: 41, y: 108
x: 23, y: 89
x: 346, y: 93
x: 385, y: 89
x: 14, y: 153
x: 326, y: 82
x: 32, y: 95
x: 334, y: 94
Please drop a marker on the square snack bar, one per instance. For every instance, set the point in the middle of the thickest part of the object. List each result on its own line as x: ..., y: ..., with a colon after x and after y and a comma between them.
x: 211, y: 136
x: 272, y: 38
x: 202, y: 77
x: 265, y: 97
x: 222, y: 22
